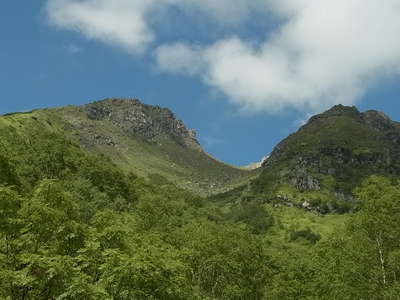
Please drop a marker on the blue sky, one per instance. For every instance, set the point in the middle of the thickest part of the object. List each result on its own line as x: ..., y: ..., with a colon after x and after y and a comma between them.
x: 227, y: 70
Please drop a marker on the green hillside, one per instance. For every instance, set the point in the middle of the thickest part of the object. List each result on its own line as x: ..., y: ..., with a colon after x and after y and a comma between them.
x: 320, y: 165
x: 76, y: 223
x: 149, y: 140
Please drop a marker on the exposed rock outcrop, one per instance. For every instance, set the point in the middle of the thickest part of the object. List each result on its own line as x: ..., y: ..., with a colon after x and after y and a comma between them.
x: 146, y: 121
x: 332, y: 153
x: 305, y: 182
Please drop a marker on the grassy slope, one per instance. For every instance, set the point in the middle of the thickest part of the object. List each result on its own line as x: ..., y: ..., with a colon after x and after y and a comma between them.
x: 21, y: 124
x: 151, y: 157
x: 291, y: 219
x: 287, y: 219
x: 144, y: 159
x: 188, y: 168
x: 344, y: 131
x: 219, y: 245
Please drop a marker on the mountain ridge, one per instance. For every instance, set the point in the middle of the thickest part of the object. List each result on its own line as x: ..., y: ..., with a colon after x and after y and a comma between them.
x: 143, y: 139
x: 326, y: 159
x: 78, y: 223
x: 139, y: 119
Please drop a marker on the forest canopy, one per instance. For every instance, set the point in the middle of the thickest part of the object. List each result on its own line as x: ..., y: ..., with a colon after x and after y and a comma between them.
x: 75, y: 226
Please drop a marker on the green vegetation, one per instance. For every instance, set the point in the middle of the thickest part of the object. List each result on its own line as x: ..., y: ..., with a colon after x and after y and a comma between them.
x: 186, y: 166
x: 75, y: 225
x: 326, y: 159
x: 357, y: 261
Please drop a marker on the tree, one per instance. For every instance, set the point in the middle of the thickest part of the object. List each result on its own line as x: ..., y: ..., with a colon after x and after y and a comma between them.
x: 378, y: 226
x: 225, y: 262
x: 361, y: 261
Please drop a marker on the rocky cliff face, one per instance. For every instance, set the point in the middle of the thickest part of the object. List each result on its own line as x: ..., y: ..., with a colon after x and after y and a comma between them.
x: 334, y: 151
x: 148, y: 140
x: 151, y: 123
x: 370, y: 131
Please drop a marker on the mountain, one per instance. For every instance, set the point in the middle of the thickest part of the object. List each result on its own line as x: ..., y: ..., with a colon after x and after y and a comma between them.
x: 319, y: 166
x: 143, y: 139
x: 76, y: 222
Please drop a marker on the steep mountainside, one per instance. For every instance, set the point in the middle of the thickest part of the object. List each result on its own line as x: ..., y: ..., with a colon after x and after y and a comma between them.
x: 320, y: 165
x: 144, y: 139
x: 74, y: 225
x: 317, y: 168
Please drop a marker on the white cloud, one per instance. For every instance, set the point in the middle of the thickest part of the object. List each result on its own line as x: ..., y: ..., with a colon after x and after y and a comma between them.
x: 325, y: 52
x: 116, y: 22
x: 127, y: 23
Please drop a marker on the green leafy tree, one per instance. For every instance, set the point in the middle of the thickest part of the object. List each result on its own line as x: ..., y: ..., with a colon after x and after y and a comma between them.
x: 225, y: 262
x: 254, y: 215
x: 361, y: 262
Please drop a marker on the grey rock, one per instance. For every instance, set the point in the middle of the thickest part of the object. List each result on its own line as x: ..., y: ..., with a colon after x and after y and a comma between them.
x: 148, y: 122
x: 305, y: 182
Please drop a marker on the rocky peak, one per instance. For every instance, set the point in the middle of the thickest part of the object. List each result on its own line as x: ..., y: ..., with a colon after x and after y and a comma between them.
x: 335, y: 145
x: 341, y: 109
x: 335, y: 112
x: 141, y: 120
x: 371, y: 119
x: 340, y: 127
x: 378, y: 120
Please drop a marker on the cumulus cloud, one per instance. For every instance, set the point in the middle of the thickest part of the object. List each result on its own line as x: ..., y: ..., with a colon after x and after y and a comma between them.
x: 321, y: 52
x: 325, y: 52
x: 117, y: 22
x: 126, y: 23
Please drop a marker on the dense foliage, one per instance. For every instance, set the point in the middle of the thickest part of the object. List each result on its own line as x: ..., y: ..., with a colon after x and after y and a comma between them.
x: 74, y: 226
x: 360, y: 261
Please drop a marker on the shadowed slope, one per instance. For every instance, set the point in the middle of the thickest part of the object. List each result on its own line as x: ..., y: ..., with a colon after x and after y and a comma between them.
x: 321, y: 164
x: 144, y: 139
